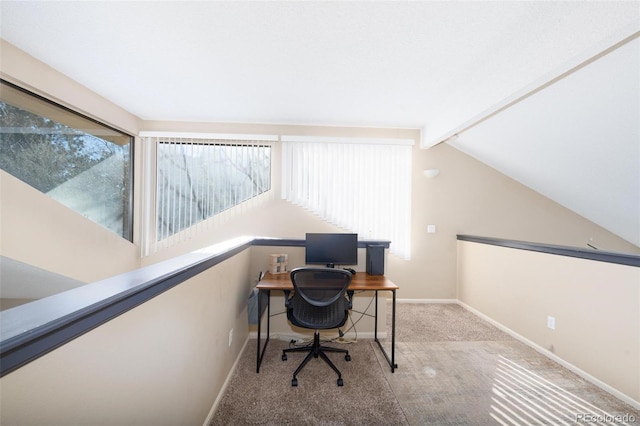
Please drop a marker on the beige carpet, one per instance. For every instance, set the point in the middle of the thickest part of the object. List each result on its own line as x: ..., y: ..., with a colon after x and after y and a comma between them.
x: 268, y: 398
x: 457, y: 369
x: 440, y: 322
x: 453, y: 369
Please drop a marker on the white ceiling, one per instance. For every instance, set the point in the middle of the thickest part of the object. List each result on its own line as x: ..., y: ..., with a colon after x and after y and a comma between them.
x: 576, y: 142
x: 431, y: 65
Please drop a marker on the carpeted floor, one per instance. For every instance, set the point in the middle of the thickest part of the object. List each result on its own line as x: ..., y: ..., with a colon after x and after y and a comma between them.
x: 268, y: 398
x: 440, y: 322
x: 457, y: 369
x: 453, y: 369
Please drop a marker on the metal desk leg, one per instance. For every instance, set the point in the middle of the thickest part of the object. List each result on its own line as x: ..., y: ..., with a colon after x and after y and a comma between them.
x: 260, y: 354
x: 375, y: 325
x: 391, y: 361
x: 393, y: 332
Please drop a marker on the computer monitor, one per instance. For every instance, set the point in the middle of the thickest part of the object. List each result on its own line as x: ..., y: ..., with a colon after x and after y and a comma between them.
x: 331, y: 249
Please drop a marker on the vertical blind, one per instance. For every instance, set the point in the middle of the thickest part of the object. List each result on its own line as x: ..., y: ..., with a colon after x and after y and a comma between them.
x: 199, y: 179
x: 363, y: 186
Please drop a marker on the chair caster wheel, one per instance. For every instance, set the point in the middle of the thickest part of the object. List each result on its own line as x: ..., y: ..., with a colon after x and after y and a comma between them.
x: 294, y: 382
x: 284, y: 357
x: 347, y: 357
x: 340, y: 382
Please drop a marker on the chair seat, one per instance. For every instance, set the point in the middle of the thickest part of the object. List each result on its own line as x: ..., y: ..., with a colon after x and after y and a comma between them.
x: 318, y: 317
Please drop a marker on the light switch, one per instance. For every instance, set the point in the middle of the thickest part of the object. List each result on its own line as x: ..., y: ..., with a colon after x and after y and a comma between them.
x: 431, y: 229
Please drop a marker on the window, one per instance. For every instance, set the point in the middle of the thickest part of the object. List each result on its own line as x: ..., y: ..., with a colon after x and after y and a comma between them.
x: 200, y: 178
x: 361, y: 185
x: 77, y: 161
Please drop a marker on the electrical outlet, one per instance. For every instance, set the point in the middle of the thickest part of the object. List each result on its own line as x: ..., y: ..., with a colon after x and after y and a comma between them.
x: 230, y: 337
x: 551, y: 323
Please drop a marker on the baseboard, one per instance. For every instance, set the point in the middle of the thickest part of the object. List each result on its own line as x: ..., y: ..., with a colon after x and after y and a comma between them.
x: 597, y: 382
x: 209, y: 417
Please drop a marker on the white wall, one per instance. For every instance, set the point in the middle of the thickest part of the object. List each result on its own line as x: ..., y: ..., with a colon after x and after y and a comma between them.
x: 596, y: 306
x: 162, y: 363
x: 363, y: 302
x: 467, y: 197
x: 27, y: 72
x: 34, y: 228
x: 39, y: 231
x: 576, y: 141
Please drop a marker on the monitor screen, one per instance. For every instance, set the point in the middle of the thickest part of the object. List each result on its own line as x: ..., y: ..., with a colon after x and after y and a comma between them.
x: 331, y: 249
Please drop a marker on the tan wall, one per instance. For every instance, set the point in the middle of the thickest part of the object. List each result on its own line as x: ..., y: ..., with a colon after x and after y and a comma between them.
x: 363, y: 302
x: 596, y: 306
x: 467, y: 197
x: 162, y: 363
x: 274, y: 217
x: 34, y: 228
x: 39, y: 231
x: 27, y: 72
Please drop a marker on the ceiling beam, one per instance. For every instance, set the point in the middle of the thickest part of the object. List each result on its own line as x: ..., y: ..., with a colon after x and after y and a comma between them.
x: 625, y: 35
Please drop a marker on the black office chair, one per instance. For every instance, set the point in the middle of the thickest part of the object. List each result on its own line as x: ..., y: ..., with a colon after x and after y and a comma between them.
x: 320, y: 301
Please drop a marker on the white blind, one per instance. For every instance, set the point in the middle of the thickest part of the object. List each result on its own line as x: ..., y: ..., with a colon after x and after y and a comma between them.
x: 201, y: 182
x: 358, y: 186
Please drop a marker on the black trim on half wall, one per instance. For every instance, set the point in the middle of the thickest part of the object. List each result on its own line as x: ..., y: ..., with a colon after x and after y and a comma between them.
x: 31, y: 330
x: 582, y: 253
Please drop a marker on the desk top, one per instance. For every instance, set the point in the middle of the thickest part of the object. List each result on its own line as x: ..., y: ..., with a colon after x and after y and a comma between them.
x: 360, y: 281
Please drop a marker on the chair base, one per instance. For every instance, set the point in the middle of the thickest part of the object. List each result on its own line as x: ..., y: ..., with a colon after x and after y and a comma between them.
x: 315, y: 351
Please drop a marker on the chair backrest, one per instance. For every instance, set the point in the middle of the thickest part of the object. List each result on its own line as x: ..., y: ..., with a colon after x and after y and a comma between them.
x: 320, y: 286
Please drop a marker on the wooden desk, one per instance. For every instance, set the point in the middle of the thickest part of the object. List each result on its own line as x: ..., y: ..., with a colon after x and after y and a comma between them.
x: 360, y: 282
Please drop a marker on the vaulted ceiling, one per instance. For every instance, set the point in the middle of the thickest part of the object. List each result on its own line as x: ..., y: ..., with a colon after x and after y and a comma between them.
x: 440, y: 66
